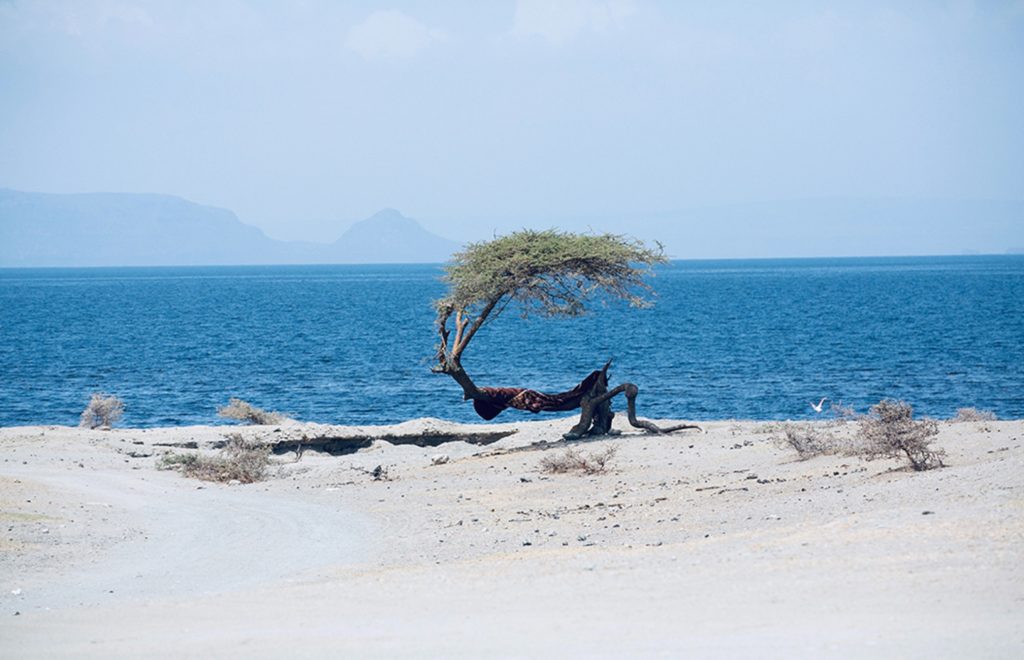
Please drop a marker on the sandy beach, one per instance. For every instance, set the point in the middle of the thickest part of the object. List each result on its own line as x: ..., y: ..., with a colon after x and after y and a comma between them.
x: 716, y: 544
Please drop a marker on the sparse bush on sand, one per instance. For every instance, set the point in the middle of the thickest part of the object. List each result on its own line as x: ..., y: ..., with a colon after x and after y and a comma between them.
x: 244, y: 411
x: 974, y: 415
x: 806, y: 440
x: 240, y: 460
x: 842, y: 412
x: 574, y: 460
x: 890, y: 431
x: 102, y: 411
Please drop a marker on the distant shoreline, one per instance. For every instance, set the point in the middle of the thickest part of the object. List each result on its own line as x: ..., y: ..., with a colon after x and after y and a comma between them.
x: 440, y: 264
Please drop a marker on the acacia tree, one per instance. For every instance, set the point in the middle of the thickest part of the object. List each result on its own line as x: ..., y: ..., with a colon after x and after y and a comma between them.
x: 548, y: 273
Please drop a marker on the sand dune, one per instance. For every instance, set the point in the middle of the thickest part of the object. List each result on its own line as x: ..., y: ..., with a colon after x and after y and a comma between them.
x: 717, y: 545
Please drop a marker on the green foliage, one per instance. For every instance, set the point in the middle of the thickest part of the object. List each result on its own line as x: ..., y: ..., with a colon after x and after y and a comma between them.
x: 548, y: 272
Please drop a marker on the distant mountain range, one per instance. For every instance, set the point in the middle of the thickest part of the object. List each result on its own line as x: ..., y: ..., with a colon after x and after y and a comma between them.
x: 110, y: 229
x: 115, y: 229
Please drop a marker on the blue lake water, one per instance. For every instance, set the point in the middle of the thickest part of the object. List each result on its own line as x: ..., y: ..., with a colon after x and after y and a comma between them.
x: 352, y: 344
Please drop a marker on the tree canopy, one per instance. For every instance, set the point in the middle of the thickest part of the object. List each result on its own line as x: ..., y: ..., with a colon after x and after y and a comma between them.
x: 551, y: 273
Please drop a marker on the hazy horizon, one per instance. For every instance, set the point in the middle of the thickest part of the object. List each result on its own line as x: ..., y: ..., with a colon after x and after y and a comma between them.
x: 609, y: 115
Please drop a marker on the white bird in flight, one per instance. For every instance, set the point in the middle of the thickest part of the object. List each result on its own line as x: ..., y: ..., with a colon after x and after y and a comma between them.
x: 818, y: 408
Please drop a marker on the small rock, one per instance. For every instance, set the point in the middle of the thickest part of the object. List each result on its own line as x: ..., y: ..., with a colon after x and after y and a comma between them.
x: 234, y: 482
x: 527, y: 543
x: 927, y: 513
x: 439, y: 459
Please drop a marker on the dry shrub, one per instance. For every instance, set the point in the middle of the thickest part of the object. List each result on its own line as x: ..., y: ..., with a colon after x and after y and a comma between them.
x: 974, y: 415
x: 806, y: 440
x: 240, y: 460
x: 244, y: 411
x: 573, y: 460
x: 102, y: 411
x: 842, y: 412
x: 890, y: 431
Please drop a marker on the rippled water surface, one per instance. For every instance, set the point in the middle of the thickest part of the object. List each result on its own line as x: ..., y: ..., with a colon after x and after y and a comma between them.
x: 351, y: 344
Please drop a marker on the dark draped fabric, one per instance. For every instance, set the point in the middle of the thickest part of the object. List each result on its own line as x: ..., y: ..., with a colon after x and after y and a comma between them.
x: 499, y: 398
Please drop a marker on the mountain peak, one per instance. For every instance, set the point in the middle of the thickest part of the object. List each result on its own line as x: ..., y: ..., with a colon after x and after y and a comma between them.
x: 387, y: 214
x: 388, y: 236
x: 386, y: 219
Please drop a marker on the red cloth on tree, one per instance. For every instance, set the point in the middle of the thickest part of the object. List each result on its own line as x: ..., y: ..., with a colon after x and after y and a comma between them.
x: 521, y: 398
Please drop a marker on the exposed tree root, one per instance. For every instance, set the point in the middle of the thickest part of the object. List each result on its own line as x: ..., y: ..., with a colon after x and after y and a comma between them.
x: 596, y: 412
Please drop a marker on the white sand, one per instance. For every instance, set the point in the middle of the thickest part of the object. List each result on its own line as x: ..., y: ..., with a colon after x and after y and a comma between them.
x: 716, y: 545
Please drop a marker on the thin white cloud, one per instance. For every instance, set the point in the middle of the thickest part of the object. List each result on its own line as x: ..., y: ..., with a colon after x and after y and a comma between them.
x: 560, y: 21
x: 75, y: 19
x: 390, y: 34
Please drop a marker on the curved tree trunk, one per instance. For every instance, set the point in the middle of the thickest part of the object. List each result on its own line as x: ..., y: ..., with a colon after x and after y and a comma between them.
x: 596, y: 411
x: 595, y: 405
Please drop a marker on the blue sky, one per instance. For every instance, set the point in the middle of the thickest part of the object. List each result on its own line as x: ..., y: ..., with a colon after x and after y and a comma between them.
x: 478, y: 117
